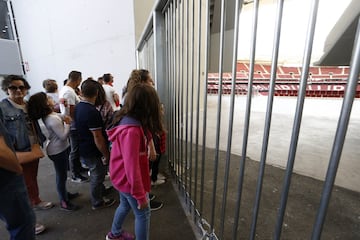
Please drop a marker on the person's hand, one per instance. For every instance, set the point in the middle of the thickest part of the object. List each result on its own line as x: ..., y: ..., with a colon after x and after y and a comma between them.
x: 36, y: 151
x: 67, y: 119
x: 143, y: 206
x: 152, y: 155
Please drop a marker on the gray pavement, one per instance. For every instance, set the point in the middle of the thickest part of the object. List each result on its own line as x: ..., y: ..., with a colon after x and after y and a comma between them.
x: 170, y: 222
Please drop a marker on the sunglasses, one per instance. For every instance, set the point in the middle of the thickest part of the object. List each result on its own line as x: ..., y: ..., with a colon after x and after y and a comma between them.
x: 14, y: 88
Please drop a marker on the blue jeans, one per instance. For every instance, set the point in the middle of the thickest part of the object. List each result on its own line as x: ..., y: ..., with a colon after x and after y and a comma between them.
x: 15, y: 210
x: 142, y: 217
x: 60, y: 161
x: 97, y: 177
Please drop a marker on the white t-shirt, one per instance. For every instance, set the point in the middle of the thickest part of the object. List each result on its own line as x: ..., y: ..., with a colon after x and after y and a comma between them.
x: 110, y: 91
x: 69, y: 94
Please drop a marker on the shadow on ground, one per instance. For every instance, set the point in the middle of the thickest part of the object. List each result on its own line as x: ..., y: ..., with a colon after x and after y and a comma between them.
x: 342, y: 219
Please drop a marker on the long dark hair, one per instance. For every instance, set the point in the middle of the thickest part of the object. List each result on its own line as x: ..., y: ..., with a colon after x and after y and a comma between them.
x: 142, y: 103
x: 38, y: 106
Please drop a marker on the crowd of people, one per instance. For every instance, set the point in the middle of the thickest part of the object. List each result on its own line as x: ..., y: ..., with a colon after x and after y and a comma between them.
x: 92, y: 132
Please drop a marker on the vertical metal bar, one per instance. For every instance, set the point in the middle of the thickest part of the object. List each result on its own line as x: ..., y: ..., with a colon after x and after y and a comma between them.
x: 238, y: 7
x: 247, y: 116
x: 218, y: 122
x: 197, y: 104
x: 175, y: 90
x: 206, y: 70
x: 297, y: 118
x: 171, y: 89
x: 187, y: 92
x: 339, y: 136
x: 180, y: 83
x: 192, y: 96
x: 267, y: 118
x: 168, y: 86
x: 177, y: 93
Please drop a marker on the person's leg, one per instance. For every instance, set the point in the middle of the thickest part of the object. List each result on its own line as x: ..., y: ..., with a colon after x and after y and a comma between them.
x: 61, y: 165
x: 30, y: 171
x: 74, y: 157
x: 97, y: 177
x: 16, y: 211
x: 142, y: 218
x: 120, y: 214
x: 155, y: 168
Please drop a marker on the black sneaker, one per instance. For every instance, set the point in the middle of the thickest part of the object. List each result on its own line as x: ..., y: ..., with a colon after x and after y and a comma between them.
x: 108, y: 190
x: 154, y: 205
x: 73, y: 195
x: 104, y: 204
x: 79, y: 179
x: 151, y: 196
x: 68, y: 206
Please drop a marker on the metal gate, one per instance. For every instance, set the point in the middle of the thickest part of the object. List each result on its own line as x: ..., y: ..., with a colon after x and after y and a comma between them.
x: 178, y: 46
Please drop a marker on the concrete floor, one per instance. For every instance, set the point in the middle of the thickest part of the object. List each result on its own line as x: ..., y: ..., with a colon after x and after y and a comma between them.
x: 170, y: 222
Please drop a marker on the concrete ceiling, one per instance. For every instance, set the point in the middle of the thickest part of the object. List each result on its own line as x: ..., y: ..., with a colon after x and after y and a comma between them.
x: 340, y: 41
x: 337, y: 46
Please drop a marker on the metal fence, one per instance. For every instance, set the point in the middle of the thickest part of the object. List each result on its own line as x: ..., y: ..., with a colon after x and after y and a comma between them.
x: 176, y: 47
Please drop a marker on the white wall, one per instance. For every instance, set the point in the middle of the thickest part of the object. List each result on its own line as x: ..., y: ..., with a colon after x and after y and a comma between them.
x: 94, y: 37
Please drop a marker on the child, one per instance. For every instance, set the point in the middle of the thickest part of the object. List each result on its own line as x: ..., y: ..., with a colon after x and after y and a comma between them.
x: 58, y: 148
x: 129, y: 164
x: 160, y: 145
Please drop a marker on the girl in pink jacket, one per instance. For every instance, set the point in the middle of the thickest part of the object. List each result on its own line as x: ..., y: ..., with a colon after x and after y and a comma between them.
x: 129, y: 162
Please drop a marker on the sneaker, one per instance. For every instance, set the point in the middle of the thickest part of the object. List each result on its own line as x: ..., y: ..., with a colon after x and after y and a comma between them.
x: 157, y: 182
x: 43, y: 205
x: 123, y: 236
x: 73, y: 195
x: 104, y: 204
x: 154, y: 205
x: 151, y: 196
x: 108, y: 190
x: 161, y: 176
x: 79, y: 179
x: 107, y: 176
x: 68, y: 206
x: 39, y: 228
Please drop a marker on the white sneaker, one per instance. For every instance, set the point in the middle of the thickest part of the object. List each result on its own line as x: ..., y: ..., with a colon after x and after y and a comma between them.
x: 161, y: 176
x: 157, y: 182
x: 39, y: 228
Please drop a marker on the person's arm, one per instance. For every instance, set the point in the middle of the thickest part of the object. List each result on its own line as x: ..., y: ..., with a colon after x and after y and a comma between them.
x: 35, y: 153
x: 131, y: 144
x: 100, y: 143
x: 152, y: 154
x: 8, y: 158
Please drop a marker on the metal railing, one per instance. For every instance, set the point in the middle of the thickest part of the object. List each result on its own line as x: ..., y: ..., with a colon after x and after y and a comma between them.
x: 176, y: 46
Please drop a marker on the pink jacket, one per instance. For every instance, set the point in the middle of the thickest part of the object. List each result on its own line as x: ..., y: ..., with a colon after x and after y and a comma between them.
x: 129, y: 163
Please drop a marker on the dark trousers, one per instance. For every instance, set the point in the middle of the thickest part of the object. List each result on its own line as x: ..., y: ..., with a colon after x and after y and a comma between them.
x: 154, y: 165
x: 74, y: 157
x: 60, y: 161
x: 15, y: 210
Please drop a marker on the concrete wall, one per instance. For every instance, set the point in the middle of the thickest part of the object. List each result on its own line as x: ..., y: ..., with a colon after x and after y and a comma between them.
x: 94, y: 37
x: 142, y: 11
